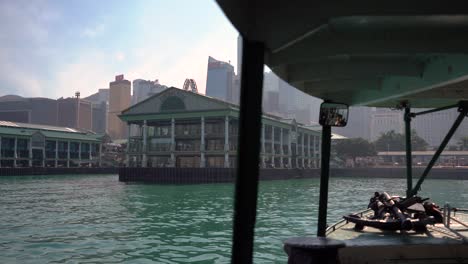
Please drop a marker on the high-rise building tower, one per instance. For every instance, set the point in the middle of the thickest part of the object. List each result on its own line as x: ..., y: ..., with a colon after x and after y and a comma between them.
x: 119, y: 99
x: 219, y: 81
x: 143, y: 89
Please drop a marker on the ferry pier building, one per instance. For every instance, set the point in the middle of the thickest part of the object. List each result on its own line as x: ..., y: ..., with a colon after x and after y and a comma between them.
x: 182, y: 129
x: 32, y: 145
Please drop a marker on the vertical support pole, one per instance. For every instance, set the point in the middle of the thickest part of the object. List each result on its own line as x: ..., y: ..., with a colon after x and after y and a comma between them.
x: 273, y: 154
x: 263, y: 147
x: 202, y: 142
x: 289, y: 149
x: 281, y: 147
x: 173, y: 161
x: 324, y: 177
x: 56, y: 154
x: 409, y: 161
x: 144, y: 148
x: 15, y: 153
x: 246, y: 191
x: 226, y: 141
x: 68, y: 154
x: 320, y: 152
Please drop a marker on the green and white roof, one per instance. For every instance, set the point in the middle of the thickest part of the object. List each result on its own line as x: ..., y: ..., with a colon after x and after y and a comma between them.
x: 26, y: 130
x: 374, y: 53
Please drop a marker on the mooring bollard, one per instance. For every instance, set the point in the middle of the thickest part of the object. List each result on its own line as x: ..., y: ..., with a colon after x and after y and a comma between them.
x: 312, y: 250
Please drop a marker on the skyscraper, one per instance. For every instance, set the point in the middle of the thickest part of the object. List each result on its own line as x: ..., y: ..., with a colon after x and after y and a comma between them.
x: 119, y: 99
x: 219, y: 81
x: 143, y: 89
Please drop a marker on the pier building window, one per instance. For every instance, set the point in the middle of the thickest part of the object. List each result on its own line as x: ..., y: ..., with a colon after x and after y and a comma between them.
x: 22, y: 163
x: 188, y: 145
x: 95, y: 150
x: 268, y: 148
x: 22, y: 148
x: 159, y: 144
x: 74, y: 148
x: 214, y: 144
x: 135, y: 145
x: 268, y: 132
x: 277, y: 134
x: 233, y: 144
x: 277, y: 149
x: 50, y: 163
x: 135, y: 161
x: 8, y: 147
x: 7, y: 163
x: 62, y: 150
x: 187, y: 130
x: 162, y: 131
x: 188, y: 162
x: 50, y: 149
x: 215, y: 161
x: 214, y: 129
x: 159, y: 161
x: 62, y: 164
x: 84, y: 151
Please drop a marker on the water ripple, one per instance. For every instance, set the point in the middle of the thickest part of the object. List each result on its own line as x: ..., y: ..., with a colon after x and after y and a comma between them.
x: 75, y: 219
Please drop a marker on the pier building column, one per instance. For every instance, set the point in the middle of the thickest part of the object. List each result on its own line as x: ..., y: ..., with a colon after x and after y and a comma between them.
x: 56, y: 154
x: 90, y: 154
x: 79, y: 154
x: 297, y: 149
x: 173, y: 161
x: 273, y: 146
x: 281, y: 147
x: 289, y: 149
x: 202, y: 142
x: 0, y: 152
x: 320, y: 154
x: 15, y: 153
x: 309, y: 161
x: 68, y: 154
x: 100, y: 154
x: 143, y: 147
x: 302, y: 146
x: 30, y: 152
x: 127, y: 155
x: 226, y: 142
x: 263, y: 146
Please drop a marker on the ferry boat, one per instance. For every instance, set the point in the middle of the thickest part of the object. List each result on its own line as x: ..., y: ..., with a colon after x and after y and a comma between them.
x: 394, y: 54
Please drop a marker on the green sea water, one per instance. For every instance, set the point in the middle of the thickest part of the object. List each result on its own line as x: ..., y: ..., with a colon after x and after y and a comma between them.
x: 97, y: 219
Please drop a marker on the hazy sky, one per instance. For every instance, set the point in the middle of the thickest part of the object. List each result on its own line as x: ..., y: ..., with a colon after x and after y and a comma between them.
x: 54, y: 48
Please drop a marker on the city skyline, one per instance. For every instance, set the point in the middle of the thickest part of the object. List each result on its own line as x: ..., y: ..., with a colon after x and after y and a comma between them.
x: 52, y: 48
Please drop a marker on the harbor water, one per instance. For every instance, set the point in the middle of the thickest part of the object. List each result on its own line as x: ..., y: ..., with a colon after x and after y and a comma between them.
x: 95, y: 218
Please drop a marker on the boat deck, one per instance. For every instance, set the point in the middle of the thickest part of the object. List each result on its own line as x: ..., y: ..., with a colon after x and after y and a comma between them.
x: 439, y: 244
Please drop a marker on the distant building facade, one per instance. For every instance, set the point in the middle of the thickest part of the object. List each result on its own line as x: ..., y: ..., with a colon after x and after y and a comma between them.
x: 384, y: 120
x: 220, y: 79
x: 143, y: 89
x: 359, y: 123
x: 75, y: 113
x: 30, y: 145
x: 119, y: 99
x: 28, y: 110
x: 177, y: 128
x: 100, y: 107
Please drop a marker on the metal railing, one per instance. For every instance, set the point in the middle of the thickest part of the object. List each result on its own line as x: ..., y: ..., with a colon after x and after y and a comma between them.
x: 449, y: 215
